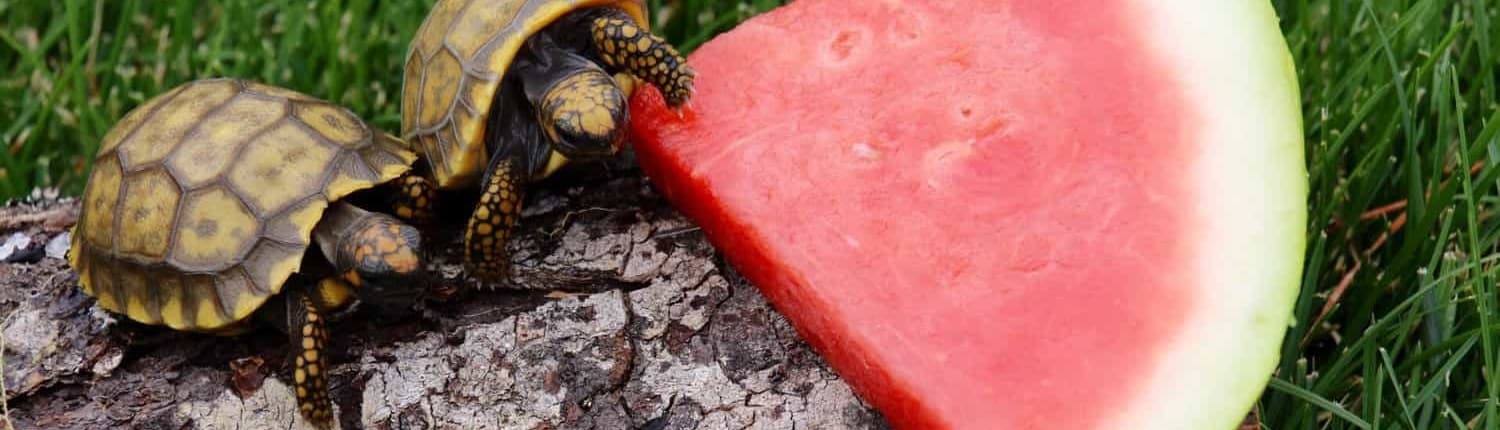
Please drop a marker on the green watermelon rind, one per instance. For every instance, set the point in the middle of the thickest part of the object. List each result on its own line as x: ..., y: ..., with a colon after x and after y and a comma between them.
x: 1235, y: 67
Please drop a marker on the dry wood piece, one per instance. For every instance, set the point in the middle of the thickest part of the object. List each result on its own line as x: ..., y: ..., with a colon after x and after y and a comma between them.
x: 627, y: 319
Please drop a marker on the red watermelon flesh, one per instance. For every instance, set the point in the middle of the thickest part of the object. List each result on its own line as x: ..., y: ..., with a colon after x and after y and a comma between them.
x: 1006, y: 214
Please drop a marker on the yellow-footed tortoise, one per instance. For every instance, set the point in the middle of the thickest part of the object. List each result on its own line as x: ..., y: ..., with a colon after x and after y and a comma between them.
x: 499, y: 93
x: 202, y: 203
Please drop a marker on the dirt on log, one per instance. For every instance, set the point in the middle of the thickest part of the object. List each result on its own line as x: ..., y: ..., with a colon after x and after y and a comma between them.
x: 621, y: 316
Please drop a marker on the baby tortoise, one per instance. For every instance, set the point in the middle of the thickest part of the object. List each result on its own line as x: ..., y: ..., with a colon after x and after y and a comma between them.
x: 202, y: 203
x: 500, y: 93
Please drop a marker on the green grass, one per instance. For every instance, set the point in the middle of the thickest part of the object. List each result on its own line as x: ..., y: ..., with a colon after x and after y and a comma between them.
x: 80, y: 64
x: 1400, y: 103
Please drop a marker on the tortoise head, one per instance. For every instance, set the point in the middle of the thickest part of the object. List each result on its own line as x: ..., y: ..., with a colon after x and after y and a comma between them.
x: 385, y: 265
x: 584, y: 115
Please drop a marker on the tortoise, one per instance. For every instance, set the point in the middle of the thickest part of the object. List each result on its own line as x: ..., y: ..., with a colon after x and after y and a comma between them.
x: 202, y: 202
x: 500, y: 93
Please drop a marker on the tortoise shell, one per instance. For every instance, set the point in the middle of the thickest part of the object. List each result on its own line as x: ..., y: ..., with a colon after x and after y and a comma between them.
x: 201, y: 201
x: 455, y: 64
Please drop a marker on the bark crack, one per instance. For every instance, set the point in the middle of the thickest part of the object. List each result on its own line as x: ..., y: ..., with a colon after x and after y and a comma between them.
x: 685, y: 344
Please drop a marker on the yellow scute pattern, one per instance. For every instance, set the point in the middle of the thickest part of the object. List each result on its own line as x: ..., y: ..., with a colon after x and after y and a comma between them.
x: 206, y: 310
x: 333, y: 122
x: 304, y: 217
x: 106, y: 288
x: 214, y: 231
x: 269, y: 265
x: 137, y: 298
x: 434, y: 28
x: 410, y: 91
x: 208, y: 150
x: 276, y: 92
x: 279, y: 167
x: 99, y: 199
x: 443, y: 75
x: 164, y: 130
x: 170, y: 288
x: 392, y: 158
x: 146, y: 215
x: 236, y: 294
x: 481, y: 18
x: 130, y: 122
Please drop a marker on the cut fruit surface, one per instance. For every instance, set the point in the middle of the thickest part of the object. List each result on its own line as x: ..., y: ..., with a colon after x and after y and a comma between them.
x: 1007, y: 214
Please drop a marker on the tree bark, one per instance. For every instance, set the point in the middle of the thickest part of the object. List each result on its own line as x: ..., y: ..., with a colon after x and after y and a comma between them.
x: 621, y: 316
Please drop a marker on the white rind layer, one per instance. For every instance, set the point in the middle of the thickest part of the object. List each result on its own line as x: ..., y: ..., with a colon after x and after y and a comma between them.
x: 1234, y: 67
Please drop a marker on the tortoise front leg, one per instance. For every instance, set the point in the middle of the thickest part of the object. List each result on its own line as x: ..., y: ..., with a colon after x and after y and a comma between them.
x: 413, y: 198
x: 624, y: 45
x: 493, y: 220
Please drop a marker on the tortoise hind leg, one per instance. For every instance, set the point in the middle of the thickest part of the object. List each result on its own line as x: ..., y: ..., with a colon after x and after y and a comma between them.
x: 624, y: 45
x: 310, y: 377
x: 493, y: 220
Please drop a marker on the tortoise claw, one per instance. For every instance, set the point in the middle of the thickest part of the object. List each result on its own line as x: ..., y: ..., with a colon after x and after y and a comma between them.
x: 624, y: 45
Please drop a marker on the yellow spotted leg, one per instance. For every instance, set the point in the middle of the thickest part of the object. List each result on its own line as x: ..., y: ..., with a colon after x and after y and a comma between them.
x: 413, y: 199
x: 623, y: 45
x: 309, y: 335
x: 494, y: 217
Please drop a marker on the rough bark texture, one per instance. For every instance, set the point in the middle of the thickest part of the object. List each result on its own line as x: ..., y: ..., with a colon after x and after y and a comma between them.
x: 624, y: 318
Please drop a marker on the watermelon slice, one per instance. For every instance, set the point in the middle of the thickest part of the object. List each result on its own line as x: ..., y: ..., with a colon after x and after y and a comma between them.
x: 1022, y: 214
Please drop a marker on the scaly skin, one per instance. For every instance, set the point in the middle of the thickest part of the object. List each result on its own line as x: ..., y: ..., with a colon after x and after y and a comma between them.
x: 413, y: 199
x: 584, y: 114
x: 310, y: 335
x: 624, y: 45
x: 494, y: 217
x: 379, y: 247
